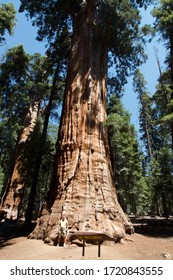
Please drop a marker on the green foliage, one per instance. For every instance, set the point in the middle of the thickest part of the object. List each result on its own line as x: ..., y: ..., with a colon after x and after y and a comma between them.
x: 163, y: 25
x: 155, y: 118
x: 161, y: 182
x: 13, y: 102
x: 12, y: 77
x: 116, y: 22
x: 162, y: 107
x: 7, y: 20
x: 145, y: 113
x: 23, y: 79
x: 167, y: 118
x: 27, y: 79
x: 131, y: 185
x: 164, y: 17
x: 31, y: 158
x: 161, y: 165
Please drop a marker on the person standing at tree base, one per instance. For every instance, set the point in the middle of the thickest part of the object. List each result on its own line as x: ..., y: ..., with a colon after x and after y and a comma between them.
x: 63, y: 229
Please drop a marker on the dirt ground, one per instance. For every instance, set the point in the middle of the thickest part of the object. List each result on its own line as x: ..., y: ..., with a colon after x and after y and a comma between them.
x: 153, y: 240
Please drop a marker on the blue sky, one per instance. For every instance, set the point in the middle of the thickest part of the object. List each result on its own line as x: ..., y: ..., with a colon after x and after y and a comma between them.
x: 149, y: 70
x: 25, y: 33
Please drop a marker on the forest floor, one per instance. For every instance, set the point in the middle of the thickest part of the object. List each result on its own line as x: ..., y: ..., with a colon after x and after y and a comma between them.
x: 152, y: 240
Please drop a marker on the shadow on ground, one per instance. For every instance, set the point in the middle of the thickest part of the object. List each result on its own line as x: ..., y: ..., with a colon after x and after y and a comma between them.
x: 157, y: 227
x: 10, y: 230
x: 153, y: 226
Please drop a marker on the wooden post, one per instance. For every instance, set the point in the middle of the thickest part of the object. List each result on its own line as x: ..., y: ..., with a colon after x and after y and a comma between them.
x: 83, y: 251
x: 99, y: 248
x: 99, y: 237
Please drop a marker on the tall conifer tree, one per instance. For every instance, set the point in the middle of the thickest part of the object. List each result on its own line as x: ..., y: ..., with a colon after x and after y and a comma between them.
x: 82, y: 185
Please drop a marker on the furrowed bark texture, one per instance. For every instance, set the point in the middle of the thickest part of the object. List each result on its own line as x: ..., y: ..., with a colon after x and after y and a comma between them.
x: 82, y: 186
x: 14, y: 192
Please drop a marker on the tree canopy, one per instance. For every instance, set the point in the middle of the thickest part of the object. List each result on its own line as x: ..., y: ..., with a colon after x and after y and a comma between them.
x: 142, y: 164
x: 7, y: 20
x: 116, y: 21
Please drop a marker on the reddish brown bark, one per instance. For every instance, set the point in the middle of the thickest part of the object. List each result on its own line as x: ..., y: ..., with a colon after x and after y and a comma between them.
x: 14, y: 191
x: 82, y: 187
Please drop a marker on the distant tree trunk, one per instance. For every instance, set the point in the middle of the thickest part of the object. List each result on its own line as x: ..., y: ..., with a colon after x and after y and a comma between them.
x: 32, y: 194
x: 171, y: 67
x: 14, y: 190
x: 157, y: 201
x: 82, y: 186
x: 149, y: 140
x: 164, y: 203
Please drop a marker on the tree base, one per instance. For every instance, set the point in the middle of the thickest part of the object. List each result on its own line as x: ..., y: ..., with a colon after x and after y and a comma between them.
x: 49, y: 233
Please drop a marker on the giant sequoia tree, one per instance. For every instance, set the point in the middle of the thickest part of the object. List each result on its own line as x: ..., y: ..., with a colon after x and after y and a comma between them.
x: 82, y: 185
x: 23, y: 82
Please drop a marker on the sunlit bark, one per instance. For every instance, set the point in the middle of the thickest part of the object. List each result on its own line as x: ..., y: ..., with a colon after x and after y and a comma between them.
x: 82, y: 187
x: 14, y: 191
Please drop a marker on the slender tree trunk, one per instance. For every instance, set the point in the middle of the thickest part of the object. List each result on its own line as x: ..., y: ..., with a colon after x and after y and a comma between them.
x: 149, y: 142
x: 14, y: 190
x: 28, y: 217
x: 82, y: 186
x: 157, y: 201
x: 171, y: 67
x: 164, y: 203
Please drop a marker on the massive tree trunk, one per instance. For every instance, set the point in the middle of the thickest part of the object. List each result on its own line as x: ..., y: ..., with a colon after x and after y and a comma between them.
x: 14, y: 190
x: 82, y: 186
